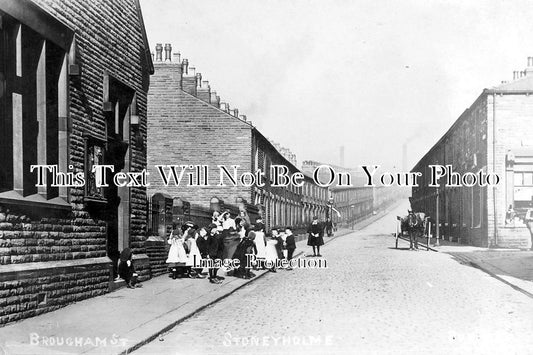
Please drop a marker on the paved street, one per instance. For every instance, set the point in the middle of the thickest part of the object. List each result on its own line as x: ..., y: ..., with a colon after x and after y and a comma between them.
x: 371, y: 299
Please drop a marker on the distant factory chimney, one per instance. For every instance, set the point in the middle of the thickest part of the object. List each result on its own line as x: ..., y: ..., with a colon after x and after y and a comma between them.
x: 404, y: 157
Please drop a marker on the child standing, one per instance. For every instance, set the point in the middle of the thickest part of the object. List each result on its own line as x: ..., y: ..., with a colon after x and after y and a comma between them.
x: 177, y: 256
x: 245, y: 247
x: 215, y: 247
x: 271, y: 254
x: 194, y: 255
x: 259, y: 240
x: 290, y: 244
x: 315, y: 238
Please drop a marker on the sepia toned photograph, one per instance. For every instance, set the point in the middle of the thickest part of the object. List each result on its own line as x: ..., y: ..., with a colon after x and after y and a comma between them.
x: 266, y: 177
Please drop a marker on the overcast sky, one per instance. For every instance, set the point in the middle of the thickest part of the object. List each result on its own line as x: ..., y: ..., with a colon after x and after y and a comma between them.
x: 370, y: 75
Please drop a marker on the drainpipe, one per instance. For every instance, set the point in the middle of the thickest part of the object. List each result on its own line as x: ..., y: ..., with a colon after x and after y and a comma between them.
x: 494, y: 167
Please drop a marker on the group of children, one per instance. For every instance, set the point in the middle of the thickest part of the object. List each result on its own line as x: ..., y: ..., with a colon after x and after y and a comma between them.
x: 227, y: 238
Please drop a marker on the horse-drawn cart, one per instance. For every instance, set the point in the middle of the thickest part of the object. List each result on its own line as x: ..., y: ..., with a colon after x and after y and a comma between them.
x: 415, y: 225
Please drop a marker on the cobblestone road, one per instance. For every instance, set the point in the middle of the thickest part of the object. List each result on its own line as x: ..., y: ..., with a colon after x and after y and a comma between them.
x: 371, y: 299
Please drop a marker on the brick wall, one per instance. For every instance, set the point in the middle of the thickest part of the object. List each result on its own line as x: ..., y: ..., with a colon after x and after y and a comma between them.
x: 109, y: 37
x: 464, y: 147
x: 185, y: 127
x: 182, y: 129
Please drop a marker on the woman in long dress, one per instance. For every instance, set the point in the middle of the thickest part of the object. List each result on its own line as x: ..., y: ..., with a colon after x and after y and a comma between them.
x: 229, y: 235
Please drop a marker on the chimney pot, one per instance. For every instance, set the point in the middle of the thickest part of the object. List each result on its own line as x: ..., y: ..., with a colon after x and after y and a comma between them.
x: 236, y: 113
x: 168, y: 51
x: 205, y: 84
x: 158, y: 52
x: 192, y: 71
x: 530, y: 61
x: 243, y: 117
x: 199, y: 80
x: 176, y: 57
x: 185, y: 65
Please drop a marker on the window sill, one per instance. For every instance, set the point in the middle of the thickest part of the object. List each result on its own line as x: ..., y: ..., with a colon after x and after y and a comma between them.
x: 36, y: 201
x: 94, y: 200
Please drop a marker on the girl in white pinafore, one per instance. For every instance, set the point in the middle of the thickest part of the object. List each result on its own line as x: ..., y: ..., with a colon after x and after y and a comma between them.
x: 177, y: 257
x: 194, y: 253
x: 260, y: 243
x: 271, y: 253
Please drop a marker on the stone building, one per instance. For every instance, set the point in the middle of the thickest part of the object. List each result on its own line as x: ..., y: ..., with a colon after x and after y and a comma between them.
x: 494, y: 136
x: 188, y: 125
x: 73, y: 85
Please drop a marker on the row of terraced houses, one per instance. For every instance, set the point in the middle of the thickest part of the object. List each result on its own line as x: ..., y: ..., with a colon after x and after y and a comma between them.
x: 74, y: 93
x: 495, y: 136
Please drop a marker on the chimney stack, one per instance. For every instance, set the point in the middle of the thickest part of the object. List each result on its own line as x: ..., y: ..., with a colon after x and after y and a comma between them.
x: 529, y: 69
x: 158, y: 52
x: 198, y: 80
x: 168, y: 51
x: 188, y: 80
x: 203, y: 91
x: 215, y: 100
x: 236, y: 113
x: 515, y: 74
x: 243, y: 117
x: 176, y: 57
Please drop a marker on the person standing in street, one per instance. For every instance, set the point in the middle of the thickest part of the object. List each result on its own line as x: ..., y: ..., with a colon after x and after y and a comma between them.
x: 230, y: 235
x: 259, y: 240
x: 177, y: 257
x: 329, y: 227
x: 215, y: 247
x: 315, y: 238
x: 290, y: 244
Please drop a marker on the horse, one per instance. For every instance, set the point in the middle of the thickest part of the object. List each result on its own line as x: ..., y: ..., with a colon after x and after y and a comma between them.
x: 414, y: 225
